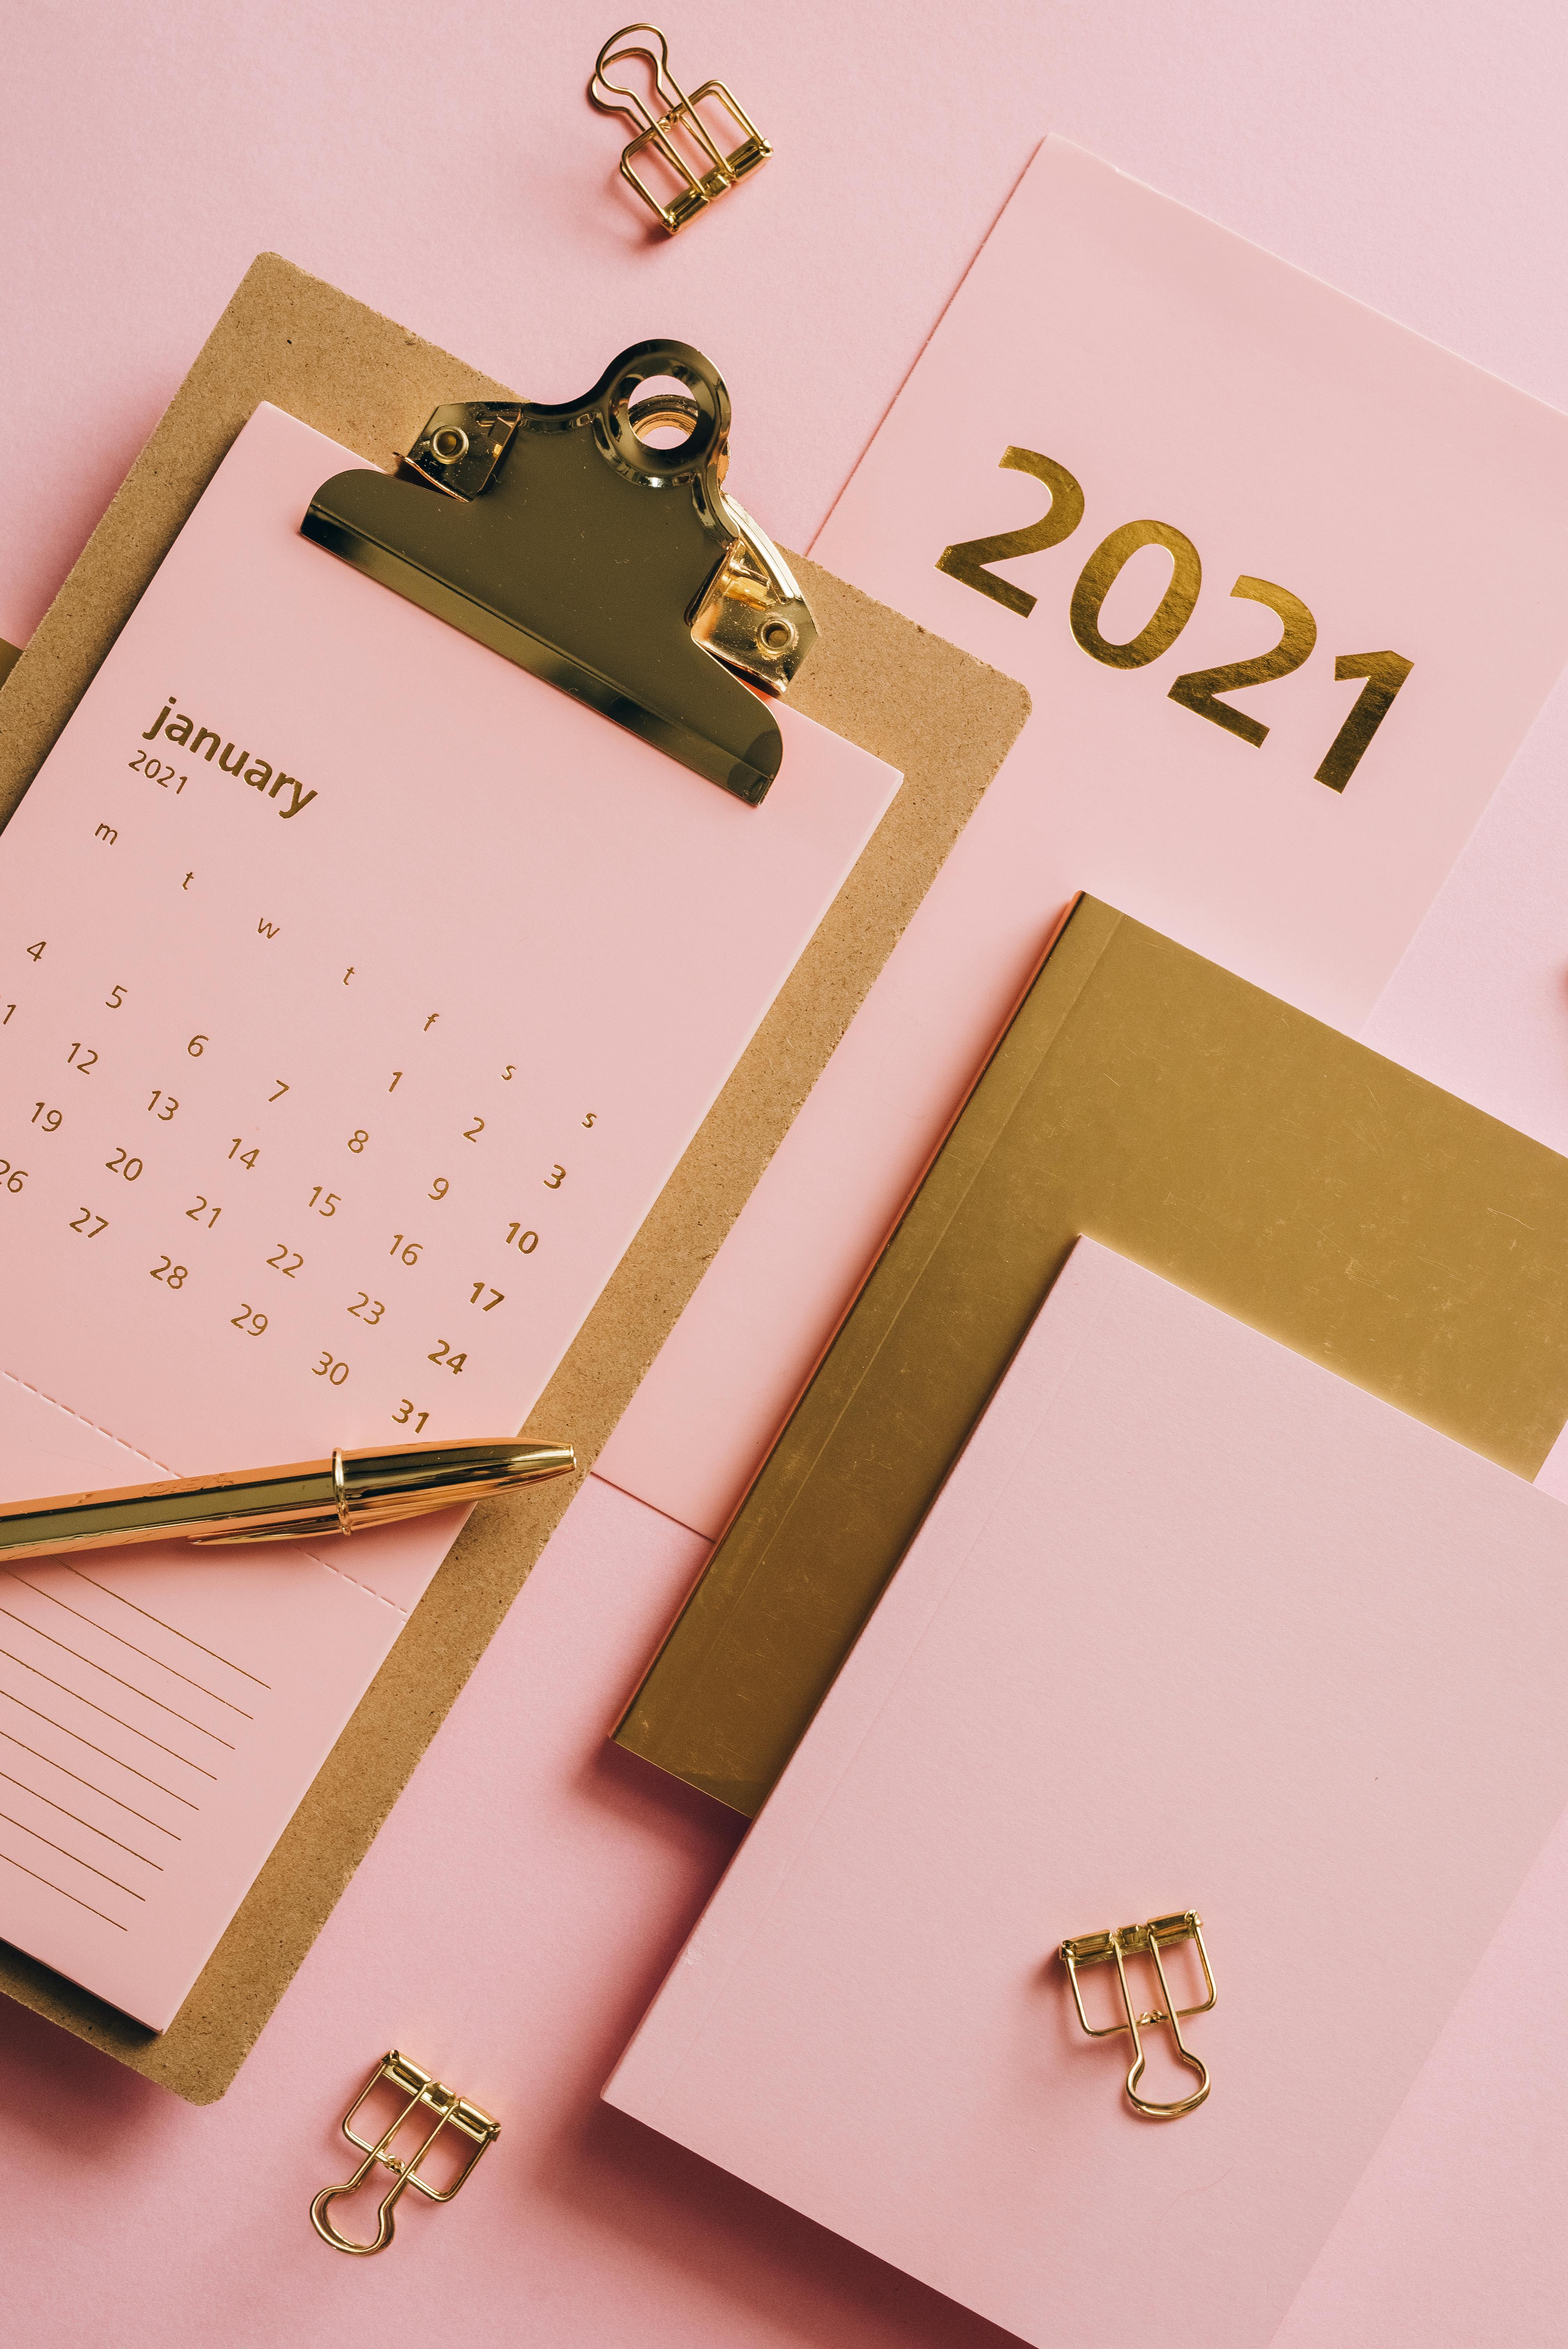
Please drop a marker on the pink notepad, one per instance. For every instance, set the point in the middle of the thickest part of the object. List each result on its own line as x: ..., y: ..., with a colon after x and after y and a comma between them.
x: 357, y: 995
x: 1192, y: 1624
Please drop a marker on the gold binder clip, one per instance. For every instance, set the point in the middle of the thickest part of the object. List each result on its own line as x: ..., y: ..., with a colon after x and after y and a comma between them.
x: 1145, y: 1940
x: 424, y: 2098
x: 704, y: 169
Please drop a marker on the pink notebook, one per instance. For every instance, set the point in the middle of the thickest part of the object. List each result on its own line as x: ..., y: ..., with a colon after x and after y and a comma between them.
x: 357, y: 995
x: 1192, y: 1624
x: 1292, y: 439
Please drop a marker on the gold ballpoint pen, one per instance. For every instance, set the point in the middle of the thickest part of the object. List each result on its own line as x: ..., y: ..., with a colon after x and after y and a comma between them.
x: 351, y: 1493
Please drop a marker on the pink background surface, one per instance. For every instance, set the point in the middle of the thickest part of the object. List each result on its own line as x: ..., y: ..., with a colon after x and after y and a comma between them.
x: 522, y: 1902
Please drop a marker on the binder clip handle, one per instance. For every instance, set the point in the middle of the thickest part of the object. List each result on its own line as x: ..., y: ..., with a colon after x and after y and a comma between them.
x: 617, y: 96
x: 384, y: 2219
x: 1180, y: 2104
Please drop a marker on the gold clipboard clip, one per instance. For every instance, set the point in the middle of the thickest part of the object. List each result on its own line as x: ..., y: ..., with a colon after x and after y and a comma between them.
x: 1120, y: 1943
x: 705, y: 170
x: 568, y: 540
x: 425, y: 2096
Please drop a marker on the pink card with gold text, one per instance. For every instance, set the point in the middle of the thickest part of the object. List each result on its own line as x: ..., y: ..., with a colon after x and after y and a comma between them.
x: 1225, y: 471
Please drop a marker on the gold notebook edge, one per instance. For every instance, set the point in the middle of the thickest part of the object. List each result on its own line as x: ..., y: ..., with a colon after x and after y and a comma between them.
x: 626, y: 1732
x: 716, y: 1706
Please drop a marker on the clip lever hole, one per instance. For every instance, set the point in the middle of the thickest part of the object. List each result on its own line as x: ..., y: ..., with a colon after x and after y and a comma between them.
x: 664, y: 415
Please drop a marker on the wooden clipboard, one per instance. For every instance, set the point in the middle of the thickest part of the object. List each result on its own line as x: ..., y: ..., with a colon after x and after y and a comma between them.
x: 941, y: 717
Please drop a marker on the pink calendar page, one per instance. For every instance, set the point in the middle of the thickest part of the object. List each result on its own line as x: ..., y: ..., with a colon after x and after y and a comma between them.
x: 357, y: 995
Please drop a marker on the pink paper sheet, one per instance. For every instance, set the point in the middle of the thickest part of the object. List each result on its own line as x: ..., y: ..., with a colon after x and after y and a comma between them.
x: 1193, y: 1623
x: 343, y: 1055
x: 1181, y: 374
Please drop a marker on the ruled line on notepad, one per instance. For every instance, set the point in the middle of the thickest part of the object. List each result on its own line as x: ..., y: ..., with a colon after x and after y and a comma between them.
x: 91, y: 1620
x: 78, y: 1698
x: 110, y: 1592
x: 75, y: 1858
x: 64, y: 1894
x: 128, y: 1807
x: 13, y: 1698
x: 102, y: 1833
x: 146, y: 1694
